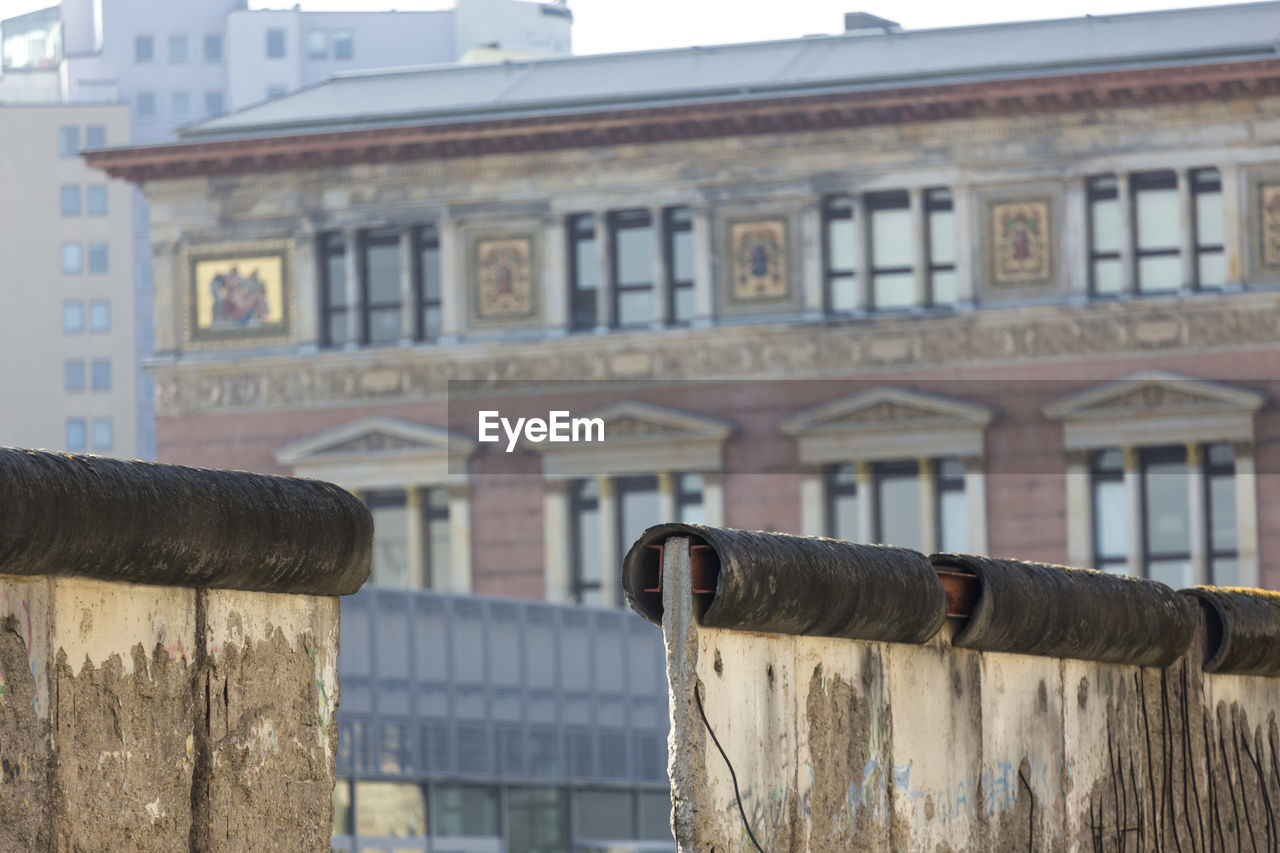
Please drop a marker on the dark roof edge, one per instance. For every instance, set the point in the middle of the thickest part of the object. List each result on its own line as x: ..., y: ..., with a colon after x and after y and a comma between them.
x: 140, y: 522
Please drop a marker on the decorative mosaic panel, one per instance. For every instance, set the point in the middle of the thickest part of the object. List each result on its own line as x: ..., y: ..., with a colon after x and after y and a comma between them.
x: 1021, y: 242
x: 1269, y: 219
x: 238, y: 293
x: 758, y: 261
x: 503, y: 278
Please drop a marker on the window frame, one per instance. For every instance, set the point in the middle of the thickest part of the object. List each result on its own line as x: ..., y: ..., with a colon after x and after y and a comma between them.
x: 140, y: 39
x: 630, y: 219
x: 1161, y: 180
x: 99, y: 192
x: 270, y: 35
x: 174, y: 40
x: 68, y: 133
x: 97, y: 249
x: 382, y: 237
x: 878, y: 202
x: 937, y: 200
x: 425, y: 238
x: 580, y: 297
x: 74, y: 194
x: 328, y: 309
x: 1205, y: 181
x: 675, y: 221
x: 1101, y: 188
x: 838, y: 208
x: 218, y: 55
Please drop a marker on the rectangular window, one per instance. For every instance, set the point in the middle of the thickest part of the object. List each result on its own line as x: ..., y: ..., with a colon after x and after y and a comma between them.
x: 73, y: 372
x: 953, y: 508
x: 144, y: 48
x: 940, y: 228
x: 70, y: 200
x: 689, y: 506
x: 275, y: 43
x: 1106, y: 277
x: 100, y: 374
x: 1220, y: 481
x: 391, y: 564
x: 897, y: 508
x: 678, y: 245
x: 73, y: 317
x: 68, y: 141
x: 1166, y: 516
x: 103, y: 434
x: 333, y: 291
x: 843, y: 520
x: 178, y: 49
x: 95, y: 136
x: 275, y: 91
x: 96, y: 199
x: 1157, y: 230
x: 180, y: 102
x: 892, y: 279
x: 72, y: 258
x: 1165, y: 513
x: 584, y: 534
x: 77, y: 434
x: 213, y: 103
x: 427, y: 283
x: 344, y: 46
x: 434, y: 512
x: 631, y: 232
x: 1211, y: 263
x: 1110, y: 518
x: 146, y: 105
x: 97, y: 258
x: 213, y: 47
x: 381, y: 320
x: 838, y: 245
x: 99, y: 316
x: 317, y: 44
x: 584, y: 278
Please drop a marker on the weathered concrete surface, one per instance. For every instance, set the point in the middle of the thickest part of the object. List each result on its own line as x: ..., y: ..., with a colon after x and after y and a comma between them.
x: 853, y: 745
x: 149, y: 718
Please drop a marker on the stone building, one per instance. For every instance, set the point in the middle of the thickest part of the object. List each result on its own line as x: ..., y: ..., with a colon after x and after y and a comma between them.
x: 1011, y: 289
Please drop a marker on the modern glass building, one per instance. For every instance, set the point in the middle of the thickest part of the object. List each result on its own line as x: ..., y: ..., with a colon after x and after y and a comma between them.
x: 488, y: 725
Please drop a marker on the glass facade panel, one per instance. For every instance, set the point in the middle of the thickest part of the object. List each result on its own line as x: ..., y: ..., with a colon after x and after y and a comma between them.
x: 464, y: 810
x: 536, y: 821
x: 390, y: 809
x: 655, y: 816
x: 604, y: 815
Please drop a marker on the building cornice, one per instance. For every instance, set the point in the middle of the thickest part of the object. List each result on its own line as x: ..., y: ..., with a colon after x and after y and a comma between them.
x: 836, y: 110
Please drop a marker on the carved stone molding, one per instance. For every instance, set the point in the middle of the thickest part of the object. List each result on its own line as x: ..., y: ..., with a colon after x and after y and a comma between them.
x: 988, y: 337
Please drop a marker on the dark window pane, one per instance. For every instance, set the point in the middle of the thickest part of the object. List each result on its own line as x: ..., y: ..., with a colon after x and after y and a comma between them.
x: 536, y: 820
x: 465, y: 810
x: 1168, y: 517
x: 604, y: 815
x: 391, y: 563
x: 898, y: 504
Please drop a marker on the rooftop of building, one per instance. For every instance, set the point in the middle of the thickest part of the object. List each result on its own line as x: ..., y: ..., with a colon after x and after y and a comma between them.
x: 856, y: 61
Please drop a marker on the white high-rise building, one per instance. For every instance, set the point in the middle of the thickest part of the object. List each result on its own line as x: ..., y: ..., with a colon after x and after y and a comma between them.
x: 148, y: 67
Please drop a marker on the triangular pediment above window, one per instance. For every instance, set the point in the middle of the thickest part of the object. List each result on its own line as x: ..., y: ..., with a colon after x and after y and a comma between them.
x: 888, y: 423
x: 644, y: 421
x: 374, y: 438
x: 638, y: 438
x: 881, y: 409
x: 1155, y: 408
x: 1154, y: 394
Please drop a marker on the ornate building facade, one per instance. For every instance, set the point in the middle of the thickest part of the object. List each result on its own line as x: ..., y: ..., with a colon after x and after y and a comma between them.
x: 1010, y: 289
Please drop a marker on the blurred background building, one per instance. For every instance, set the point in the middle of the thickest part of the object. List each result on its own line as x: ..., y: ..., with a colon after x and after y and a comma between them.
x: 156, y: 66
x: 1009, y: 289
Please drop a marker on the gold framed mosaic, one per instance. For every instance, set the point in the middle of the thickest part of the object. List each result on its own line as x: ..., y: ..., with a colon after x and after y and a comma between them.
x: 238, y: 294
x: 504, y: 278
x: 1020, y: 242
x: 759, y: 261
